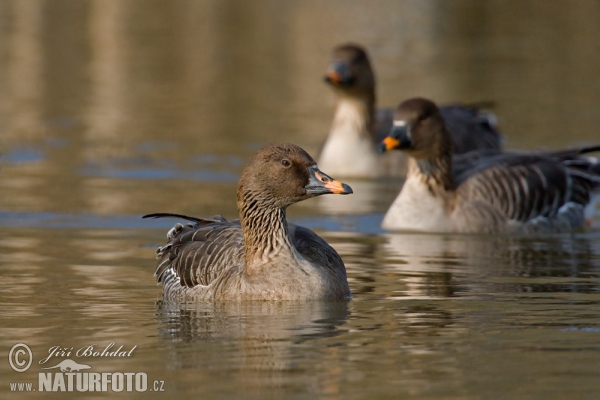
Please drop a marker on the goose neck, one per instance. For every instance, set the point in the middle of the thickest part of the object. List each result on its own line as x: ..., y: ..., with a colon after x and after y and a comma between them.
x: 358, y: 113
x: 435, y: 172
x: 265, y: 229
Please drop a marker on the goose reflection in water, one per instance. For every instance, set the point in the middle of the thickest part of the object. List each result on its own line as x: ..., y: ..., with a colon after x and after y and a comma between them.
x: 261, y: 340
x: 475, y: 265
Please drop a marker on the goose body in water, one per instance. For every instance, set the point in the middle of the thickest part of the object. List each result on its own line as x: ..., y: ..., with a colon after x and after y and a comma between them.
x: 550, y: 191
x: 260, y: 256
x: 351, y: 146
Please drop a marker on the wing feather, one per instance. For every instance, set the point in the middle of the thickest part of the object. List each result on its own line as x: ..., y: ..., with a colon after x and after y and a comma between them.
x: 316, y: 250
x: 471, y: 129
x: 199, y: 253
x: 526, y: 186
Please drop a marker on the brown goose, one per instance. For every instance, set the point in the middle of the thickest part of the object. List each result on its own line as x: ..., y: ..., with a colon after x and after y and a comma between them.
x: 351, y: 147
x: 509, y: 192
x: 260, y: 256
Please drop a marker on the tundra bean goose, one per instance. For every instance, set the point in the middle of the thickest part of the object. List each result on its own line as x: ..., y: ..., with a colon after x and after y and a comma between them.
x: 509, y: 192
x: 357, y: 128
x: 260, y: 256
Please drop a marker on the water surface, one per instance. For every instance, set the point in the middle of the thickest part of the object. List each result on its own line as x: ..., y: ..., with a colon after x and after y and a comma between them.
x: 112, y: 110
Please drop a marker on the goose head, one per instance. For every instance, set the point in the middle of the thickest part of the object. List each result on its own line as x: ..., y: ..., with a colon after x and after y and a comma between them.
x: 284, y: 174
x: 350, y: 71
x: 418, y: 130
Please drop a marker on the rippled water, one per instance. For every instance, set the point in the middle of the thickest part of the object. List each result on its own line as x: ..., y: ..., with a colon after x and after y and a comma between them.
x: 111, y: 110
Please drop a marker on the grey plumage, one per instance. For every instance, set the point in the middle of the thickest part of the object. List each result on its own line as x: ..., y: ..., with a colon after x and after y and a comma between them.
x: 546, y: 191
x: 260, y: 256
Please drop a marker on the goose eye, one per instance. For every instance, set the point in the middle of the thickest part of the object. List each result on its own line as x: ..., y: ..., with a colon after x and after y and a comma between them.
x: 286, y: 163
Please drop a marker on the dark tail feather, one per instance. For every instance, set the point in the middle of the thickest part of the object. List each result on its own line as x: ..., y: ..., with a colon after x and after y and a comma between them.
x: 202, y: 221
x: 590, y: 149
x: 171, y: 215
x: 573, y: 152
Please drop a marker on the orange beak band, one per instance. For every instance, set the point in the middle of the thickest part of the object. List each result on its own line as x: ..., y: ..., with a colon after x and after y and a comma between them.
x: 333, y: 77
x: 321, y: 183
x: 337, y: 187
x: 391, y: 143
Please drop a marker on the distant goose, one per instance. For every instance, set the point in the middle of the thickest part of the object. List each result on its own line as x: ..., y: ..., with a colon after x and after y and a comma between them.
x: 351, y: 147
x: 260, y: 256
x: 510, y: 192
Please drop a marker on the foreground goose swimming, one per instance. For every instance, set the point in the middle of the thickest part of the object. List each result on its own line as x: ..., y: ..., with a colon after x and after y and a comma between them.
x: 260, y: 256
x: 351, y: 147
x: 483, y: 193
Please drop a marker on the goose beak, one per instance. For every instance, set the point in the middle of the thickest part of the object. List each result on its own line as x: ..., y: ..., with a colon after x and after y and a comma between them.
x: 338, y: 75
x: 389, y: 143
x: 320, y: 183
x: 398, y: 138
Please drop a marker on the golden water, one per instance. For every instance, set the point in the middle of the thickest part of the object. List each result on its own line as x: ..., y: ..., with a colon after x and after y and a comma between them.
x: 114, y: 109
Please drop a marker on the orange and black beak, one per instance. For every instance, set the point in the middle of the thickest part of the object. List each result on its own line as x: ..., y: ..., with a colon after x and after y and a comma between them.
x: 398, y: 138
x: 338, y: 74
x: 320, y: 183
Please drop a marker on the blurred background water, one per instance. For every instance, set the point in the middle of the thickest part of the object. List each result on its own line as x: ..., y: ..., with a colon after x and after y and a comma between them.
x: 110, y: 110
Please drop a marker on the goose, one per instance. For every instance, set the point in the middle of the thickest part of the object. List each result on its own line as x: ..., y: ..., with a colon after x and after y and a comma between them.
x: 351, y: 146
x: 536, y: 192
x: 260, y: 256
